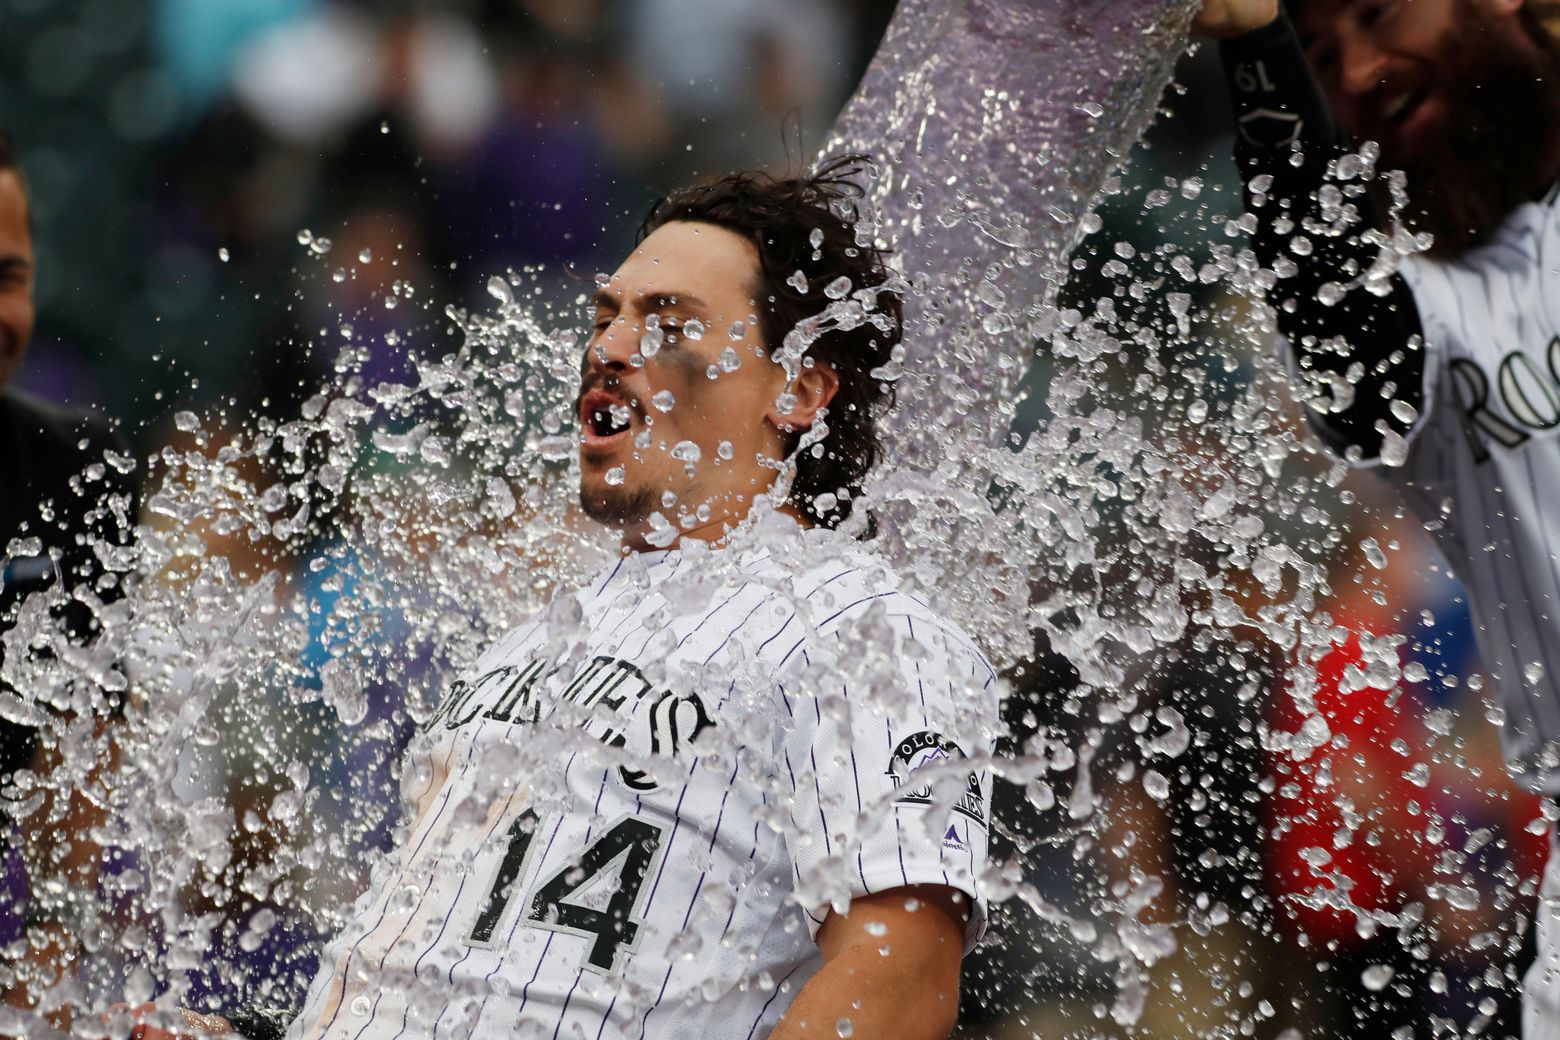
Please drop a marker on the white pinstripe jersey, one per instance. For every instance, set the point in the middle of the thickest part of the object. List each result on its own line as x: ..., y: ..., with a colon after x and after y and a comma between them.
x: 628, y: 818
x: 1483, y: 468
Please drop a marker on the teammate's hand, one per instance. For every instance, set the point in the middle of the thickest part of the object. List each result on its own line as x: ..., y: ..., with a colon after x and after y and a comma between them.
x: 194, y: 1027
x: 1225, y: 19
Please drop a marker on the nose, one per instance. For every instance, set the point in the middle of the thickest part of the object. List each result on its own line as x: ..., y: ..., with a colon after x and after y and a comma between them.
x: 610, y: 352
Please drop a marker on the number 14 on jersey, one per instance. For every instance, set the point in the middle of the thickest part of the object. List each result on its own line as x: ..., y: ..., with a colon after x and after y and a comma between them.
x: 595, y: 895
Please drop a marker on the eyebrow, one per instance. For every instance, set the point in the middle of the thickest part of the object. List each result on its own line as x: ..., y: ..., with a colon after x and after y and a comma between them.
x: 606, y: 300
x: 15, y: 263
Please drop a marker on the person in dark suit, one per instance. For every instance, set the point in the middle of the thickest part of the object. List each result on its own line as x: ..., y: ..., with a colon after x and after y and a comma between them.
x: 65, y: 494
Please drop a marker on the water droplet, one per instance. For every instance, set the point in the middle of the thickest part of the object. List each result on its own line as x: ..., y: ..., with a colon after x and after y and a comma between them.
x: 1533, y: 672
x: 997, y: 323
x: 693, y: 329
x: 616, y: 476
x: 556, y: 448
x: 1374, y: 553
x: 663, y: 400
x: 1376, y: 977
x: 662, y: 531
x: 223, y: 254
x: 654, y: 336
x: 498, y: 288
x: 1092, y: 109
x: 1155, y: 783
x: 737, y: 331
x: 729, y: 360
x: 843, y: 1029
x: 687, y: 452
x: 1330, y: 294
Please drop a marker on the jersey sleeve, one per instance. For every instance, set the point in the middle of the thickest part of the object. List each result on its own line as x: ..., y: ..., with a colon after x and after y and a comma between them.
x: 886, y: 764
x: 1356, y: 348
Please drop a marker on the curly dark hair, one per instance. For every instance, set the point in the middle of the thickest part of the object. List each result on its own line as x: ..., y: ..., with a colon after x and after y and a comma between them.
x: 808, y: 224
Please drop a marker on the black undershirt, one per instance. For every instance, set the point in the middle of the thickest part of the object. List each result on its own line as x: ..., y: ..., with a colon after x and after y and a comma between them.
x: 1285, y: 132
x: 257, y: 1023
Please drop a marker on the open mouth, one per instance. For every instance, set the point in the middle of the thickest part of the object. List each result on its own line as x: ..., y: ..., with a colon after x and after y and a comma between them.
x: 1400, y: 107
x: 603, y: 418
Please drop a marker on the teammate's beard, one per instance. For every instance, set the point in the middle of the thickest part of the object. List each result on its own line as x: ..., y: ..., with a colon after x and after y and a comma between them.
x: 1501, y: 143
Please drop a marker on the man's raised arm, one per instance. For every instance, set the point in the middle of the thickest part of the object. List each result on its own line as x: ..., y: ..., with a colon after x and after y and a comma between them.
x: 1285, y: 143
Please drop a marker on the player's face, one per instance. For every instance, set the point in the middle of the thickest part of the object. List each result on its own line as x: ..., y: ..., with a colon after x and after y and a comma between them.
x: 678, y: 397
x: 1457, y: 93
x: 1379, y: 62
x: 16, y: 276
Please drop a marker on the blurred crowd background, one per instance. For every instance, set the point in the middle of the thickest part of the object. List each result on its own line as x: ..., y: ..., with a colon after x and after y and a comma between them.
x: 216, y: 184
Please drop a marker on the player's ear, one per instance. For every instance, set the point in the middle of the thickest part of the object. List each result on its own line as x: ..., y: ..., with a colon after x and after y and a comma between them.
x: 813, y: 389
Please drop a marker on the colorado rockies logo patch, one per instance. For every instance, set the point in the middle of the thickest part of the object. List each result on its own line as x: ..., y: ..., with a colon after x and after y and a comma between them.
x: 927, y: 748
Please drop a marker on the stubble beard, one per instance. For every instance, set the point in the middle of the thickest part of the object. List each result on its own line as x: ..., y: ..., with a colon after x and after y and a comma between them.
x: 1500, y: 142
x: 11, y: 351
x: 619, y: 506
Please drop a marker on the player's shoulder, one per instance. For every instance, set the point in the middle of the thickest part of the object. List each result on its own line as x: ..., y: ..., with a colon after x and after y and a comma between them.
x: 1512, y: 251
x: 850, y: 588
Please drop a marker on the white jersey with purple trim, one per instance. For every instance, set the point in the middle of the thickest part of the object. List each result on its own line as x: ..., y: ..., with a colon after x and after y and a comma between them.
x: 630, y: 817
x: 1483, y: 465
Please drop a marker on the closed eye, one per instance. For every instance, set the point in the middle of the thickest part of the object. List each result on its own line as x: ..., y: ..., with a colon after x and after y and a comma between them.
x: 1371, y: 14
x: 1322, y: 59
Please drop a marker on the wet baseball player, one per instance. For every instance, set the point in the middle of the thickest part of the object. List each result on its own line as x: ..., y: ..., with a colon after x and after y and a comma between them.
x: 737, y: 785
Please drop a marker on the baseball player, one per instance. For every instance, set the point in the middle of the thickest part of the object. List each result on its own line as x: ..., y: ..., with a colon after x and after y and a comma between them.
x: 737, y: 785
x: 1444, y: 367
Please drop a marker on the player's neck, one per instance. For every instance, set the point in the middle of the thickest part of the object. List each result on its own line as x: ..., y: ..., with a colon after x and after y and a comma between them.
x: 715, y: 533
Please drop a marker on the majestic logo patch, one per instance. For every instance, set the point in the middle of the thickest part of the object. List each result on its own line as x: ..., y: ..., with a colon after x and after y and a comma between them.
x: 924, y: 749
